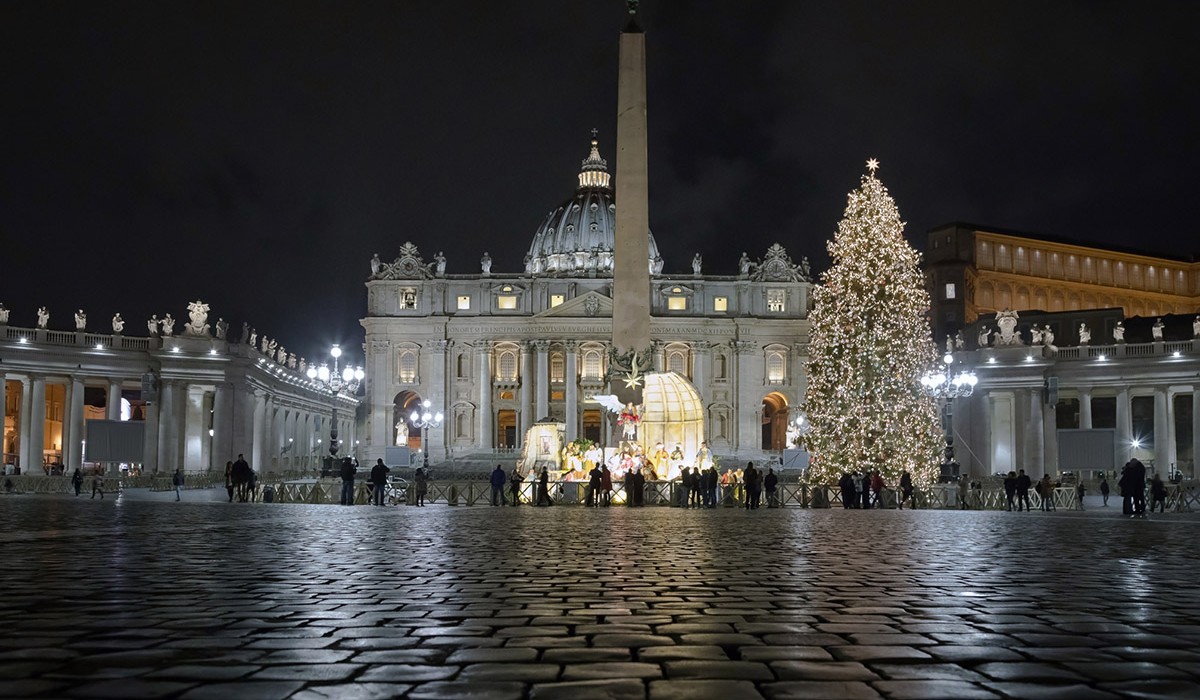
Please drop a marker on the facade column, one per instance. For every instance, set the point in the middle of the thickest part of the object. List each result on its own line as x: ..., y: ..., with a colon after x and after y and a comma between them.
x: 381, y: 366
x: 260, y: 424
x: 542, y: 382
x: 167, y: 428
x: 222, y: 427
x: 150, y: 411
x: 700, y: 359
x: 73, y: 439
x: 439, y: 371
x: 1034, y: 429
x: 483, y: 358
x: 37, y: 427
x: 1085, y: 409
x: 526, y: 391
x: 1124, y: 427
x: 25, y: 425
x: 112, y: 411
x: 571, y: 395
x: 1162, y: 440
x: 1050, y: 440
x: 660, y: 356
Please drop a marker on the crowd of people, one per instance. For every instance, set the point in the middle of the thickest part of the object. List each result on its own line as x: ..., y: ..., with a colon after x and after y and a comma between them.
x: 867, y: 489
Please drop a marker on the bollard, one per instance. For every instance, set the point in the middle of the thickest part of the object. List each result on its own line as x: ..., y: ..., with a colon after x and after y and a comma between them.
x: 410, y: 495
x: 452, y: 495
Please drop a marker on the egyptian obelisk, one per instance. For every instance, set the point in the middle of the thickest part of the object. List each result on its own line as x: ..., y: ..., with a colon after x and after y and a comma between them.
x: 631, y: 270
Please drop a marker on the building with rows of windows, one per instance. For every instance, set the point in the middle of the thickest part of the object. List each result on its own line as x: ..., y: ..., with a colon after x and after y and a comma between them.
x: 497, y: 351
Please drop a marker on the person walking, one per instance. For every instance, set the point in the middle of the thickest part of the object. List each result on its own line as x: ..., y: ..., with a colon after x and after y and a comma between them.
x: 543, y: 489
x: 1023, y: 484
x: 241, y: 477
x: 1104, y: 489
x: 177, y: 481
x: 1079, y: 493
x: 347, y: 474
x: 98, y: 485
x: 498, y: 479
x: 379, y: 479
x: 1010, y: 490
x: 906, y: 490
x: 421, y: 484
x: 514, y: 485
x: 77, y: 481
x: 229, y: 480
x: 1158, y: 494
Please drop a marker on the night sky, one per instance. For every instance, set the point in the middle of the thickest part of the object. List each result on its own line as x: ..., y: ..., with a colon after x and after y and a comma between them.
x: 254, y: 155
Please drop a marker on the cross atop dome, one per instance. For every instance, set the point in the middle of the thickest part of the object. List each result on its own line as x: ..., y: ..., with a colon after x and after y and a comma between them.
x: 595, y: 169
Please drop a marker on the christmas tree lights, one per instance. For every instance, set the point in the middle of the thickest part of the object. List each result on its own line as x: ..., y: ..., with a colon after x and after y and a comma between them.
x: 870, y: 343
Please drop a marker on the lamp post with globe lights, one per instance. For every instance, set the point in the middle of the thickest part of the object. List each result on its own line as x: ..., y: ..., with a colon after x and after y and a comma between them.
x: 424, y: 420
x: 334, y: 382
x: 946, y: 384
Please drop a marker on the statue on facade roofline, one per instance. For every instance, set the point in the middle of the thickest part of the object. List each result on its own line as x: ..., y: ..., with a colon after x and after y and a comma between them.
x: 198, y: 313
x: 281, y: 356
x: 697, y: 262
x: 3, y: 314
x: 1119, y: 332
x: 253, y: 338
x: 303, y: 365
x: 118, y: 324
x: 744, y: 265
x: 1195, y: 323
x: 43, y: 317
x: 959, y: 343
x: 439, y: 262
x: 1085, y: 334
x: 375, y: 263
x: 291, y: 360
x: 1006, y: 320
x: 266, y: 344
x: 805, y: 269
x: 80, y: 320
x: 1047, y: 336
x: 271, y: 346
x: 245, y: 332
x: 485, y: 263
x: 1157, y: 329
x: 1035, y: 335
x: 949, y: 345
x: 168, y: 325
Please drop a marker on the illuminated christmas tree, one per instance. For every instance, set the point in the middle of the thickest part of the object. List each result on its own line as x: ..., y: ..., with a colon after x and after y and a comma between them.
x: 870, y: 343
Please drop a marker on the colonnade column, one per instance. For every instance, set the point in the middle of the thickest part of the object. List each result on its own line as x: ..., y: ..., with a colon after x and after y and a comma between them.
x: 571, y: 395
x: 483, y: 357
x: 1034, y: 465
x: 222, y: 427
x: 1162, y: 439
x: 260, y: 418
x: 25, y: 425
x: 73, y: 440
x: 543, y: 379
x: 526, y: 391
x: 1085, y: 409
x: 1049, y: 439
x: 167, y: 420
x: 1124, y: 426
x: 112, y: 411
x: 3, y: 414
x: 1195, y: 430
x: 37, y: 426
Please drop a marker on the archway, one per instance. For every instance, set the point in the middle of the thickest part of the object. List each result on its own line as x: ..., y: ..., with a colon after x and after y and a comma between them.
x: 404, y: 434
x: 774, y: 421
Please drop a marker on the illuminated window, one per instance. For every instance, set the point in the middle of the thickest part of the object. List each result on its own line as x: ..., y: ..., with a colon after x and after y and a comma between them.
x: 776, y: 300
x: 557, y: 396
x: 506, y: 302
x: 950, y: 290
x: 557, y: 367
x: 592, y: 368
x: 556, y: 299
x: 776, y: 367
x: 408, y: 299
x: 677, y: 303
x: 720, y: 303
x: 464, y: 303
x: 677, y: 362
x: 406, y: 366
x: 506, y: 395
x: 506, y: 367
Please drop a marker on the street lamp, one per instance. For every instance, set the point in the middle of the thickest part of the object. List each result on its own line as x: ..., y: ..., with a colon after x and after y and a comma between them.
x: 944, y: 383
x: 332, y: 381
x: 423, y: 421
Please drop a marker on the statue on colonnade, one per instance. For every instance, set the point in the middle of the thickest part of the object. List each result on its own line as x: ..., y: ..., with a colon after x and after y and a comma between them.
x: 152, y: 325
x: 168, y: 325
x: 222, y: 328
x: 43, y: 317
x: 80, y: 320
x: 198, y: 313
x: 1119, y: 332
x: 1157, y: 329
x: 118, y: 324
x: 1085, y: 334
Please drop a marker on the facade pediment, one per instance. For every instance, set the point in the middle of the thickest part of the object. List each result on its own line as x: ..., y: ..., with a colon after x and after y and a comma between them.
x: 591, y: 304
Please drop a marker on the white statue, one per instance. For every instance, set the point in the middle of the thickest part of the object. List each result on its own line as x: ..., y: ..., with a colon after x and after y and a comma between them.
x: 198, y: 313
x: 3, y: 314
x: 80, y: 320
x: 439, y: 262
x: 281, y: 355
x: 402, y: 434
x: 656, y: 265
x: 1035, y: 335
x: 805, y: 269
x: 985, y: 337
x: 253, y: 338
x: 168, y: 325
x: 1157, y: 329
x: 528, y: 264
x: 744, y: 265
x: 1195, y: 322
x: 949, y: 345
x: 222, y: 328
x: 485, y: 263
x: 271, y: 347
x: 291, y: 361
x: 375, y: 263
x: 1048, y: 336
x: 1085, y: 334
x: 303, y: 366
x: 43, y: 317
x: 266, y: 344
x: 696, y: 263
x: 1119, y: 332
x: 1007, y: 322
x: 959, y: 343
x: 152, y: 325
x: 118, y: 324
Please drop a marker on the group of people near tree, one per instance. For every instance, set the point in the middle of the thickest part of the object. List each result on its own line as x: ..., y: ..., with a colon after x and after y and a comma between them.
x: 865, y: 489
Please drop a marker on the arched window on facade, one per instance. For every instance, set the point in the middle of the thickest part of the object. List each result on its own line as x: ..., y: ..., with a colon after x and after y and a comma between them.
x: 592, y: 365
x: 557, y: 367
x: 776, y: 367
x: 407, y: 365
x: 506, y: 366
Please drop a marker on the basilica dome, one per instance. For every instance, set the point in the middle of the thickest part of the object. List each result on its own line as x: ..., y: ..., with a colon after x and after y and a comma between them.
x: 576, y: 238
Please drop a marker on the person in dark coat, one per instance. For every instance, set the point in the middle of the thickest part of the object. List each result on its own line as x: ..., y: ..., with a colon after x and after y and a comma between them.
x: 906, y: 490
x: 379, y: 478
x: 229, y: 480
x: 241, y: 477
x: 771, y: 483
x: 498, y: 479
x: 605, y: 485
x: 685, y: 487
x: 420, y: 485
x: 514, y: 485
x: 866, y: 490
x: 1104, y: 490
x: 77, y: 481
x: 1023, y: 485
x: 846, y: 484
x: 753, y: 481
x: 593, y: 488
x: 711, y: 479
x: 543, y: 489
x: 1010, y: 489
x: 1158, y: 494
x: 347, y: 474
x: 1136, y: 487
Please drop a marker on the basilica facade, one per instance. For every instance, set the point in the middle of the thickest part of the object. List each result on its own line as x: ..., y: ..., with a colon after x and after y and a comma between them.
x: 496, y: 351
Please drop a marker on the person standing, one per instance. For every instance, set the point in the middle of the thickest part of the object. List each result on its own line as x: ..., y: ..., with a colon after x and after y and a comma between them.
x: 1010, y: 490
x: 98, y: 485
x: 1046, y: 493
x: 1158, y: 494
x: 514, y: 485
x: 497, y: 481
x: 711, y: 477
x: 543, y: 489
x: 593, y: 488
x: 1023, y: 484
x: 177, y: 481
x: 906, y: 490
x: 846, y: 485
x: 1079, y: 493
x: 229, y: 480
x: 771, y: 483
x: 347, y: 474
x: 379, y: 479
x: 421, y: 484
x: 241, y: 474
x: 753, y: 481
x: 605, y: 485
x: 866, y: 490
x: 964, y: 490
x: 1137, y: 483
x: 877, y: 487
x: 1104, y: 489
x: 77, y: 481
x: 685, y: 487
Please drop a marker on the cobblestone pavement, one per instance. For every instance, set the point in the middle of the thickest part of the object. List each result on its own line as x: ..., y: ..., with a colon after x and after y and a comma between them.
x: 144, y: 597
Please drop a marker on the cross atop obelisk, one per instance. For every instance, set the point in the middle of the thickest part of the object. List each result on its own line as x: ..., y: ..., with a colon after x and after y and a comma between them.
x: 631, y: 271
